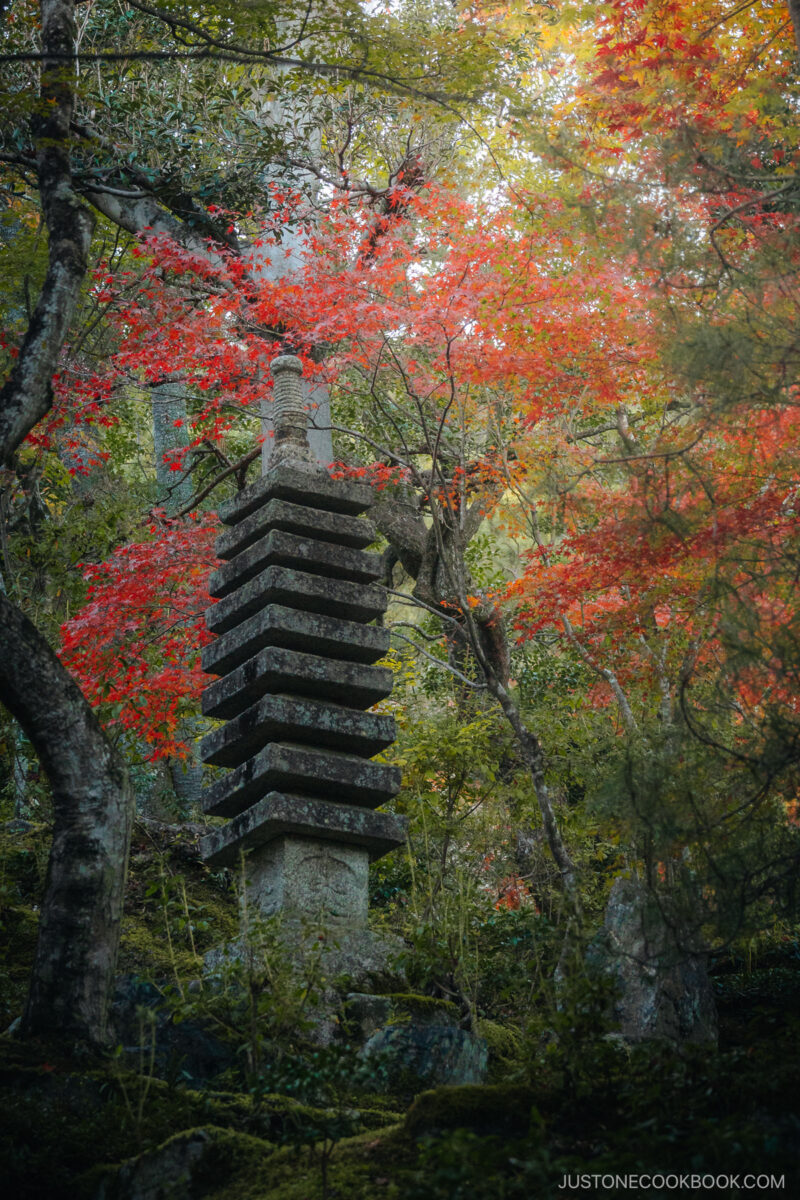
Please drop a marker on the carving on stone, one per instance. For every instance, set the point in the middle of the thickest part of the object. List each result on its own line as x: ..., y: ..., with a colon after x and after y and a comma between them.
x: 332, y: 887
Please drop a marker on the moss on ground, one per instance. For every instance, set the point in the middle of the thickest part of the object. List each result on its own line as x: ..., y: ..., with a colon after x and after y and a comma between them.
x: 23, y: 863
x: 486, y: 1109
x: 588, y: 1104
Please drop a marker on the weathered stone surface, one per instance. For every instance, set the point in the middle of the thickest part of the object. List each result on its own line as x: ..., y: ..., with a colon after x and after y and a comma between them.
x: 302, y: 816
x: 321, y: 881
x: 296, y: 719
x: 365, y: 959
x: 283, y: 767
x: 436, y: 1054
x: 663, y: 987
x: 169, y: 1171
x: 366, y: 1012
x: 337, y: 528
x: 314, y: 489
x: 313, y: 633
x: 293, y: 550
x: 191, y: 1165
x: 297, y: 589
x: 278, y: 670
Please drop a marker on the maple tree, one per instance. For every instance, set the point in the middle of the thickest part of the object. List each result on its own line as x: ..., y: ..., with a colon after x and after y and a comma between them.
x: 134, y: 647
x: 64, y: 145
x: 597, y: 361
x: 430, y: 331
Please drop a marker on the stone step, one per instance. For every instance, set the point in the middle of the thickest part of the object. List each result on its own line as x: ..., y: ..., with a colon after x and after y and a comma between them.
x: 356, y: 532
x: 314, y: 488
x: 276, y: 670
x: 297, y: 589
x: 290, y: 550
x: 278, y: 814
x: 282, y: 766
x: 313, y: 633
x: 293, y: 719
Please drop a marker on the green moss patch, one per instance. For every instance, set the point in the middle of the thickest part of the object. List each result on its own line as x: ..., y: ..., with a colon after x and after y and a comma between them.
x: 423, y: 1010
x: 485, y: 1109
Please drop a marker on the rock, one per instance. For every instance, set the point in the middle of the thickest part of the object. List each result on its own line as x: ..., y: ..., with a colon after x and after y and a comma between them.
x: 161, y: 1174
x: 189, y: 1166
x: 366, y: 1013
x: 184, y: 1047
x: 435, y: 1054
x: 424, y: 1010
x: 18, y: 825
x: 663, y: 987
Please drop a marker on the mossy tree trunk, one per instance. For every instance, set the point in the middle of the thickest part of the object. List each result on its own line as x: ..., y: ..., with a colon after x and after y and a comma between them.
x: 75, y: 959
x: 76, y: 950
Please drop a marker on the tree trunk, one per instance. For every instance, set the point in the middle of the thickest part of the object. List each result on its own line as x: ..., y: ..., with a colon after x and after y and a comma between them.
x: 76, y: 949
x: 794, y: 13
x: 170, y: 433
x: 27, y: 394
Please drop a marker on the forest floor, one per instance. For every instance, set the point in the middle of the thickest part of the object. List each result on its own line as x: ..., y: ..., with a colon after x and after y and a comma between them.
x: 187, y: 1127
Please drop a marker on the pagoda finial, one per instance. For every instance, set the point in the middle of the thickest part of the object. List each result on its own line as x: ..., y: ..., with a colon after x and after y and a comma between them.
x: 290, y: 419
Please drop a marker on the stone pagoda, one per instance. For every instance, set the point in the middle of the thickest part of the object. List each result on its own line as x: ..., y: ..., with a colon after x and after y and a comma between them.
x: 295, y: 653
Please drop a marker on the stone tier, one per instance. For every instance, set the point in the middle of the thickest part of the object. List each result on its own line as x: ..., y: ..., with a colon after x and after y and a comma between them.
x: 276, y: 670
x: 278, y: 548
x: 317, y: 523
x: 297, y: 589
x: 308, y: 487
x: 295, y: 719
x: 294, y: 629
x: 277, y: 815
x: 296, y: 655
x: 282, y: 766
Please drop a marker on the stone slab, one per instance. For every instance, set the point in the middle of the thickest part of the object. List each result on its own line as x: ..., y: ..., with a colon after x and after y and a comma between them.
x: 297, y: 719
x: 297, y: 589
x: 312, y: 487
x: 278, y: 814
x: 313, y: 633
x: 282, y: 766
x: 293, y: 550
x: 276, y: 670
x: 356, y: 532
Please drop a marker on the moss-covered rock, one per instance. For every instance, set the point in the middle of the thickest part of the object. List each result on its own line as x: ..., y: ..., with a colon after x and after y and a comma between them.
x: 428, y: 1054
x: 61, y: 1120
x: 422, y: 1010
x: 505, y: 1048
x: 191, y: 1165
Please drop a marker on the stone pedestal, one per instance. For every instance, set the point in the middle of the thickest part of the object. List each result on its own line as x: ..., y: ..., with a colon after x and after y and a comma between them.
x: 322, y: 882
